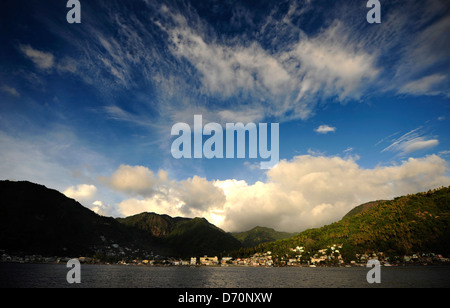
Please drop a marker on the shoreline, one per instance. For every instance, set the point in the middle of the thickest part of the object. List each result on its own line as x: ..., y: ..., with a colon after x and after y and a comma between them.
x: 232, y: 265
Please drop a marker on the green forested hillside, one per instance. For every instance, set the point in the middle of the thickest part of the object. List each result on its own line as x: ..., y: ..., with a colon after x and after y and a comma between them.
x: 405, y: 225
x: 361, y: 208
x: 185, y: 236
x: 259, y: 235
x: 154, y: 224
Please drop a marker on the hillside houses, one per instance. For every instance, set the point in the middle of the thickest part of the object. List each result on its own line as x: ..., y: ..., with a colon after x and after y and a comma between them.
x: 326, y: 256
x: 298, y: 256
x: 209, y: 260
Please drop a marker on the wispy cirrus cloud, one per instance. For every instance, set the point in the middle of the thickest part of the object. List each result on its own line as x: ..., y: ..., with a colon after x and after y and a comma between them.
x: 10, y: 90
x: 47, y: 63
x: 421, y: 42
x: 333, y: 64
x: 285, y: 83
x: 412, y: 141
x: 117, y: 113
x: 428, y: 85
x: 181, y: 58
x: 43, y: 60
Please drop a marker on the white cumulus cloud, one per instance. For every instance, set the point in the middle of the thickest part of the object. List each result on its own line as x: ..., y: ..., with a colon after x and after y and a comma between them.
x: 152, y: 192
x: 312, y: 191
x: 81, y: 193
x: 324, y: 129
x: 135, y: 180
x: 307, y: 191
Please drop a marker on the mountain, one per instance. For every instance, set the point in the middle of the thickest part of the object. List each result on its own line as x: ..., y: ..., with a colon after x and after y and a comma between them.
x: 38, y: 220
x: 361, y: 208
x: 186, y: 236
x: 405, y: 225
x: 35, y: 219
x: 157, y: 225
x: 259, y: 235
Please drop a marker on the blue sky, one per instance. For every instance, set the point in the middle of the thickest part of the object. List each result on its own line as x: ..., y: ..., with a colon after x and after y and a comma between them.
x: 88, y: 108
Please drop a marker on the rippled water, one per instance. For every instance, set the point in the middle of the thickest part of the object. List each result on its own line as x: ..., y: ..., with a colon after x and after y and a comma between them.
x: 117, y: 276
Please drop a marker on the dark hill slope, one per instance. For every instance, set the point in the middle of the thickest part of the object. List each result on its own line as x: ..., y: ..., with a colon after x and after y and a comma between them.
x: 186, y: 236
x: 35, y: 219
x: 38, y: 220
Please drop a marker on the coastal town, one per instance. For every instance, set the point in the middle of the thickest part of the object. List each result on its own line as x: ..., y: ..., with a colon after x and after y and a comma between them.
x: 298, y: 257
